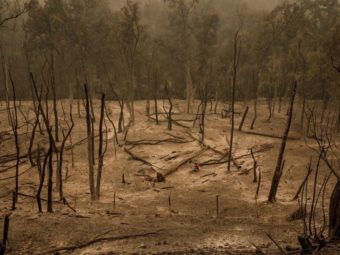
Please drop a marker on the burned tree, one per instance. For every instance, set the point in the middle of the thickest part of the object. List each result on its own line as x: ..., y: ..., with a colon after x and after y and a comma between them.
x: 90, y: 145
x: 280, y: 160
x: 169, y: 113
x: 100, y: 150
x: 66, y: 135
x: 13, y: 116
x: 236, y: 59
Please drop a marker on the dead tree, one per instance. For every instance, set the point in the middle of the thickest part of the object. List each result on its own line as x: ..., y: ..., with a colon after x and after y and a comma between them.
x: 216, y: 102
x: 236, y: 58
x: 100, y: 149
x: 44, y: 115
x: 169, y: 114
x: 115, y: 133
x: 31, y: 143
x: 121, y: 106
x: 60, y: 156
x: 13, y: 116
x: 90, y: 145
x: 280, y: 160
x: 255, y: 81
x: 35, y: 107
x: 309, y: 171
x: 329, y: 152
x: 204, y: 101
x: 334, y: 212
x: 50, y: 175
x: 42, y: 173
x: 37, y: 123
x: 4, y: 236
x: 254, y: 164
x: 156, y: 97
x: 244, y: 116
x: 147, y: 108
x: 54, y: 97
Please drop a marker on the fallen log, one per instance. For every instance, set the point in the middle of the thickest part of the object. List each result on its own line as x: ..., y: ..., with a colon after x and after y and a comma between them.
x: 135, y: 157
x: 223, y: 160
x: 269, y: 135
x: 155, y: 142
x: 97, y: 240
x: 173, y: 169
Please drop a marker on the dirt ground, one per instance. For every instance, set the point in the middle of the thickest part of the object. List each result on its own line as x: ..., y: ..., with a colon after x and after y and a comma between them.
x: 191, y: 226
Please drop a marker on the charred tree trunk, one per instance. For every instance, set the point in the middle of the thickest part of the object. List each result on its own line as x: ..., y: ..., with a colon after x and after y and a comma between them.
x: 43, y: 114
x: 188, y: 86
x: 90, y: 144
x: 156, y: 98
x: 121, y: 117
x: 254, y: 165
x: 243, y: 118
x: 303, y: 109
x: 42, y: 173
x: 255, y: 81
x: 50, y: 178
x: 170, y: 107
x: 204, y: 102
x: 100, y: 149
x: 147, y: 108
x: 54, y: 95
x: 334, y: 212
x: 216, y: 102
x: 5, y: 236
x: 280, y: 160
x: 236, y: 58
x: 61, y: 153
x: 31, y: 143
x: 13, y: 118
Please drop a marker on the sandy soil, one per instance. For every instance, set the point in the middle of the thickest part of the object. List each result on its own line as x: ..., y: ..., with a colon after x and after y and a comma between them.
x: 192, y: 226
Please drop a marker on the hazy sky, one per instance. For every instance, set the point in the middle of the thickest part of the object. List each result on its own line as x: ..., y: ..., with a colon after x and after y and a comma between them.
x: 257, y: 4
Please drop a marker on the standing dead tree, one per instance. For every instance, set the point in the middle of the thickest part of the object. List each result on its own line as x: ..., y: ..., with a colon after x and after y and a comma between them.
x: 236, y: 58
x: 95, y: 188
x: 59, y: 182
x: 328, y: 150
x: 255, y: 76
x: 115, y: 139
x: 54, y: 97
x: 169, y: 113
x: 121, y: 107
x: 204, y: 102
x: 44, y: 114
x: 90, y: 145
x: 255, y: 164
x: 280, y: 160
x: 244, y: 116
x: 13, y: 117
x: 50, y: 176
x: 36, y: 124
x: 156, y: 97
x: 100, y: 149
x: 42, y: 173
x: 53, y: 147
x: 4, y: 236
